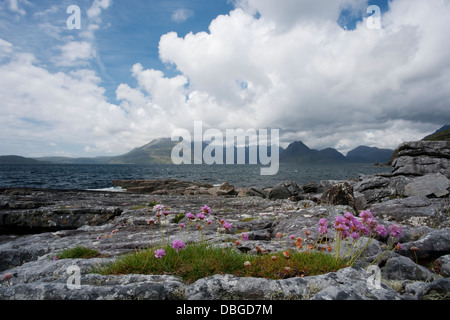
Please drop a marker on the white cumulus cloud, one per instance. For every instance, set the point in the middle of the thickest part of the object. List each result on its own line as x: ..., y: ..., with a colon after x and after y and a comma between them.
x: 284, y: 65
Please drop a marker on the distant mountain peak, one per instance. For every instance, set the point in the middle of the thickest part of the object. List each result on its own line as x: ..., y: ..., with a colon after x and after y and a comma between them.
x: 299, y: 152
x: 369, y: 154
x: 297, y: 147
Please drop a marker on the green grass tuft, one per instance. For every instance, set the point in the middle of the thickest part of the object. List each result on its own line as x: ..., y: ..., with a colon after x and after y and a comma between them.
x: 78, y: 253
x: 200, y: 260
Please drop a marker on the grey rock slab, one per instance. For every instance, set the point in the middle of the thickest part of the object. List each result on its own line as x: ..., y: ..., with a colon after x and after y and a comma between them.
x: 346, y: 284
x: 431, y: 184
x: 98, y: 287
x: 407, y: 210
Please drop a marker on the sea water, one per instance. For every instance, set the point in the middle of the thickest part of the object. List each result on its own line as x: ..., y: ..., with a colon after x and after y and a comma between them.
x: 100, y: 177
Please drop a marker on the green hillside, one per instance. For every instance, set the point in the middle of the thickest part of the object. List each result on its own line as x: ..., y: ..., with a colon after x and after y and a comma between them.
x: 440, y: 136
x: 18, y: 160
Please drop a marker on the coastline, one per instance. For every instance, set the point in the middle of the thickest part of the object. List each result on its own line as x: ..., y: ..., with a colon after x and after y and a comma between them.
x: 116, y: 223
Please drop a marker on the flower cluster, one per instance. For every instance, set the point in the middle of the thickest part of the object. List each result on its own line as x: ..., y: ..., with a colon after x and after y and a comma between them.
x: 224, y: 226
x: 178, y: 244
x: 206, y: 210
x: 160, y: 253
x: 323, y: 226
x: 350, y: 227
x: 396, y: 231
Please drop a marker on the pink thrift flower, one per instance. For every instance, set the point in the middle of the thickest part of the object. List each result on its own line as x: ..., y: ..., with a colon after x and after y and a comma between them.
x: 355, y: 235
x: 177, y: 244
x: 381, y: 230
x: 365, y: 215
x: 340, y: 224
x: 227, y: 225
x: 396, y: 230
x: 200, y: 216
x: 206, y: 210
x: 357, y: 225
x: 348, y: 215
x: 245, y: 237
x: 345, y: 234
x: 160, y: 253
x: 372, y: 223
x: 365, y: 230
x: 190, y: 216
x: 323, y: 230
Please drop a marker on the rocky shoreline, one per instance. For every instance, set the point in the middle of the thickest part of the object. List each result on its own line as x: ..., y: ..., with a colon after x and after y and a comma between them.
x: 37, y: 224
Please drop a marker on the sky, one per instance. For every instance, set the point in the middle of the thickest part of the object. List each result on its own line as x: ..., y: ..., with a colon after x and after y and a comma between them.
x: 320, y: 71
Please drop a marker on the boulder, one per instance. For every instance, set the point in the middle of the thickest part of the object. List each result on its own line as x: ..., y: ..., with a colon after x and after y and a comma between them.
x: 442, y: 266
x: 311, y: 187
x: 257, y: 192
x: 285, y: 190
x: 339, y: 194
x: 327, y: 184
x: 226, y: 189
x: 403, y: 268
x: 439, y: 289
x: 429, y: 247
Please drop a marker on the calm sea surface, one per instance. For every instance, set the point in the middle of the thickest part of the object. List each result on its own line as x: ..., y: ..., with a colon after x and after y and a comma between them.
x: 88, y: 177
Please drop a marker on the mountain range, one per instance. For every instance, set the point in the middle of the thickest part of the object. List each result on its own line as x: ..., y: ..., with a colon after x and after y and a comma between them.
x: 159, y: 152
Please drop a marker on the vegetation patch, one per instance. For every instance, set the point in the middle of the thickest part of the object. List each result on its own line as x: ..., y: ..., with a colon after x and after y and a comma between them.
x: 202, y: 260
x: 78, y: 252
